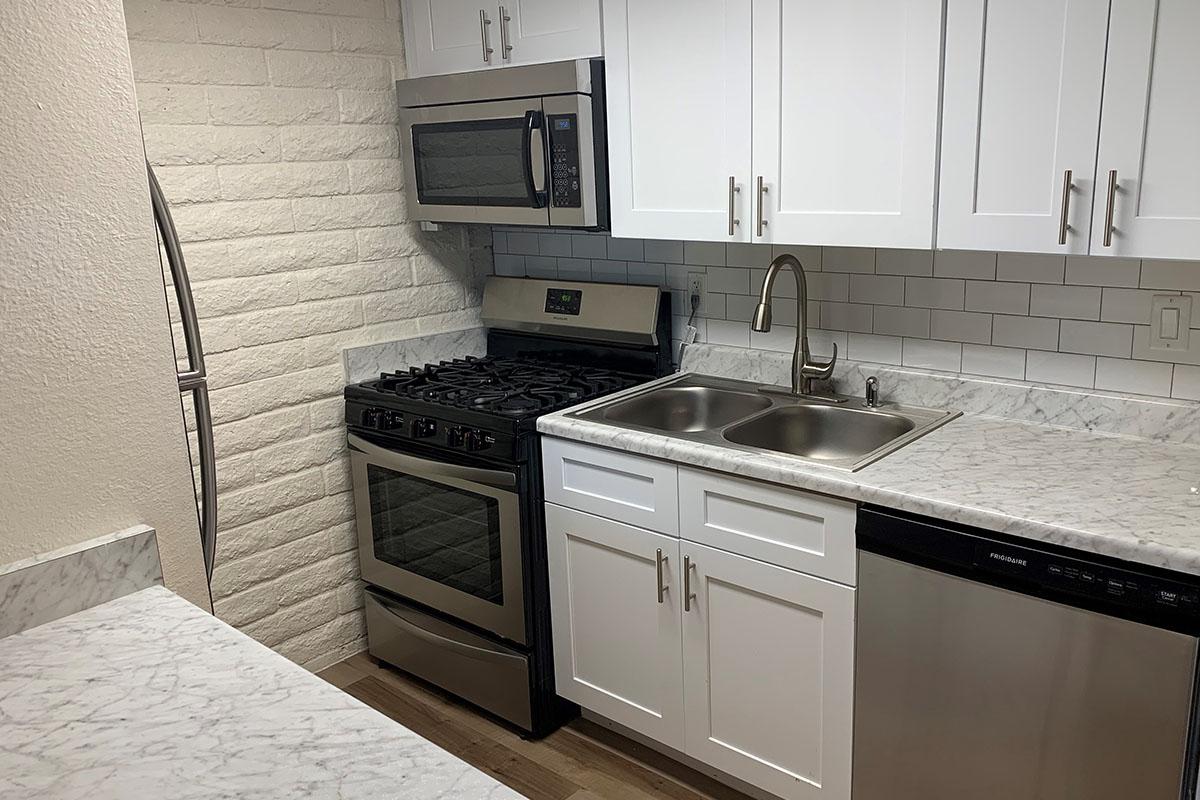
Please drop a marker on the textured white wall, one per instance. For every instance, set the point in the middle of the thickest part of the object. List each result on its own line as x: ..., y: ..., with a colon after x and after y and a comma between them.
x: 91, y: 429
x: 273, y: 130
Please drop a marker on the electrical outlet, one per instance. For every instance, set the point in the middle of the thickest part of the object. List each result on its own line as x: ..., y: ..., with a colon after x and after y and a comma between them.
x: 696, y: 289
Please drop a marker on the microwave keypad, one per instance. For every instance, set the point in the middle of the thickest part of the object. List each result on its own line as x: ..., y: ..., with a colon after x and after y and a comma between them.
x: 564, y: 161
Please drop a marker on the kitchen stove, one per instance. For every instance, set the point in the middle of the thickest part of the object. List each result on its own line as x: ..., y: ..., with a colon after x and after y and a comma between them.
x: 448, y: 493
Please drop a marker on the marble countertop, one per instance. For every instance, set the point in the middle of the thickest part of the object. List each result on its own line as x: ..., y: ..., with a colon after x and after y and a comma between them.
x: 148, y: 696
x: 1120, y: 496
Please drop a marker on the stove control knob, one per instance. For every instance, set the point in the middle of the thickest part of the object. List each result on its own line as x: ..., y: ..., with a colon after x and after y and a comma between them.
x: 454, y: 437
x: 394, y: 420
x: 372, y: 417
x: 423, y: 427
x: 477, y: 440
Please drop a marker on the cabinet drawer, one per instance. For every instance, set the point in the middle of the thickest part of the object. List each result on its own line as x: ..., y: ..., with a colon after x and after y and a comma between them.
x: 789, y: 527
x: 631, y: 489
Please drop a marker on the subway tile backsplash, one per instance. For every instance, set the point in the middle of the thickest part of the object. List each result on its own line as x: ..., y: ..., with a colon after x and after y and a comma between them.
x: 1072, y: 321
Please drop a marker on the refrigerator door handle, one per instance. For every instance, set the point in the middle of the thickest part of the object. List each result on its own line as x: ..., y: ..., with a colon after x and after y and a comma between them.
x: 195, y: 378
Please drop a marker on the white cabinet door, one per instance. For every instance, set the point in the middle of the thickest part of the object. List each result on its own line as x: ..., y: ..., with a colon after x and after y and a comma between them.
x: 550, y: 30
x: 1021, y: 105
x: 768, y: 675
x: 845, y: 120
x: 442, y: 36
x: 616, y: 626
x: 678, y: 84
x: 1150, y: 131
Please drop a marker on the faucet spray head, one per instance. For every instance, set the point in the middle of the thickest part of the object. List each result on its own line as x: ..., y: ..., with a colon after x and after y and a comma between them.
x: 762, y: 318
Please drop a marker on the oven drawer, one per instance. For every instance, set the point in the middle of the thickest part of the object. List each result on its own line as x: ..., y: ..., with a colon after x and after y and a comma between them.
x: 488, y: 674
x: 792, y: 528
x: 631, y: 489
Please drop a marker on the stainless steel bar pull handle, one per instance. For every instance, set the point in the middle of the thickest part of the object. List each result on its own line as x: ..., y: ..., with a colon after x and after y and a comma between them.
x: 762, y: 190
x: 733, y: 220
x: 195, y: 378
x: 1063, y: 222
x: 659, y: 559
x: 687, y: 583
x: 505, y: 43
x: 1111, y: 208
x: 483, y: 36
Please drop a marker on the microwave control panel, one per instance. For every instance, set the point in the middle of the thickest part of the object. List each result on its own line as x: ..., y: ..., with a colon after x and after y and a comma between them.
x: 564, y: 160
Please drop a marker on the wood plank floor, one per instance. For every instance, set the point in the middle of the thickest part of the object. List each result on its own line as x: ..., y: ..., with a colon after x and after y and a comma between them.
x: 581, y: 761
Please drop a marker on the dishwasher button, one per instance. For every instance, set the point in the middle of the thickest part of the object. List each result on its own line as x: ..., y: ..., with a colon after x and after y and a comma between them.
x: 1115, y: 587
x: 1054, y: 569
x: 1088, y: 577
x: 1167, y: 598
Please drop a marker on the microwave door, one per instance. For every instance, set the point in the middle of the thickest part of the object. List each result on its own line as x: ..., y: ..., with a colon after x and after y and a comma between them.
x: 476, y: 162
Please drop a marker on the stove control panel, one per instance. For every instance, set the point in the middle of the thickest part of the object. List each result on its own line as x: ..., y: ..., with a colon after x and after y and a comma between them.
x: 433, y: 431
x: 424, y: 428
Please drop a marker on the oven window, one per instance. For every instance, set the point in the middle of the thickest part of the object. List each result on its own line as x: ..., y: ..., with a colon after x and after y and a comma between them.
x: 447, y: 535
x: 474, y: 163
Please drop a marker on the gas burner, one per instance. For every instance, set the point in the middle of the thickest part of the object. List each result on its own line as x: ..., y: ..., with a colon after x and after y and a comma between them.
x: 509, y: 387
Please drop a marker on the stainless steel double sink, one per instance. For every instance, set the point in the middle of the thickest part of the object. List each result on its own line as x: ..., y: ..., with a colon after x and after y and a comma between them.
x: 838, y: 432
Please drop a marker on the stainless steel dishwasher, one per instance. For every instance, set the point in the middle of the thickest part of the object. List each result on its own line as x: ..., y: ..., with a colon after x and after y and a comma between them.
x: 992, y: 670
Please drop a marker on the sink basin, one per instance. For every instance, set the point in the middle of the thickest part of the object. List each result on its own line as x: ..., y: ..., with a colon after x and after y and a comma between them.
x: 819, y: 432
x: 682, y: 409
x: 833, y: 431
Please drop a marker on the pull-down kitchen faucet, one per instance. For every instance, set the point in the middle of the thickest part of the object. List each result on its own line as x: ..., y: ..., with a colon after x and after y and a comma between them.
x: 804, y: 369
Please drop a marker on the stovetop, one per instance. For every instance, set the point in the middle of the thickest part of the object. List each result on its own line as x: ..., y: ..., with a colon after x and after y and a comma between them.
x: 514, y: 388
x: 479, y: 406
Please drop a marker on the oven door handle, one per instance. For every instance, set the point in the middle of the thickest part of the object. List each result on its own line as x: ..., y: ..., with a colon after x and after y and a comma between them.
x: 533, y: 120
x: 423, y: 467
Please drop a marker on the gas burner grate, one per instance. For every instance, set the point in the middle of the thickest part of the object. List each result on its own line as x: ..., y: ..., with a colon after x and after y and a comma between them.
x: 510, y: 387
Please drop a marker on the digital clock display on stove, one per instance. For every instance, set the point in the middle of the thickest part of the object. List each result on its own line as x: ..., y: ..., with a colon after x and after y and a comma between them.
x: 564, y: 301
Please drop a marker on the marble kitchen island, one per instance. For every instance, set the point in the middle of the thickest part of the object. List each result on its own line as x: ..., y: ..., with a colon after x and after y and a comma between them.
x: 148, y: 696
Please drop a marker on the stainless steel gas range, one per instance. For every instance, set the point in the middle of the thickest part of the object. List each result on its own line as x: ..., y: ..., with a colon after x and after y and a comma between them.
x: 447, y: 486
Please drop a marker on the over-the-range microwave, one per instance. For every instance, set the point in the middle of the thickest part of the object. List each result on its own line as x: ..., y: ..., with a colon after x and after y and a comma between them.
x: 512, y: 146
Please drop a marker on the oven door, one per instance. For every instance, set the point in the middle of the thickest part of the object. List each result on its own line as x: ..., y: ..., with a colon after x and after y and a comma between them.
x: 476, y: 162
x: 445, y: 535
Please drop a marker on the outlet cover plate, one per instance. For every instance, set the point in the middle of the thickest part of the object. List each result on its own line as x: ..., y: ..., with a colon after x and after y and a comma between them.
x: 1170, y: 322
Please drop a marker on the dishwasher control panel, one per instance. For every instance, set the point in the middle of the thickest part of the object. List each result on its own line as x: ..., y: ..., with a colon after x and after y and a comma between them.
x: 1050, y: 571
x: 1123, y: 587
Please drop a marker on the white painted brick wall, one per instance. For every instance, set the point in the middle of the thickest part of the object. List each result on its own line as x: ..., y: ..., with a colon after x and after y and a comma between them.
x: 272, y: 127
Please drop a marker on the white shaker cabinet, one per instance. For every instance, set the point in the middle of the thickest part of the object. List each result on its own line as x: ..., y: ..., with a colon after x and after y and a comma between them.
x: 1021, y: 107
x: 769, y: 674
x: 845, y: 121
x: 446, y: 36
x: 722, y: 650
x: 678, y: 88
x: 615, y: 595
x: 552, y: 30
x: 1150, y: 132
x: 832, y: 105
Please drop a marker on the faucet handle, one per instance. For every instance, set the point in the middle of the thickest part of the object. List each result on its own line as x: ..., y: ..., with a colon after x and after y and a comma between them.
x: 872, y: 399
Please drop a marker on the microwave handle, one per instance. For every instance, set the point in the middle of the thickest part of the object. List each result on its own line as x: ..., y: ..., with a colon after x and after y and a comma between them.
x: 533, y: 121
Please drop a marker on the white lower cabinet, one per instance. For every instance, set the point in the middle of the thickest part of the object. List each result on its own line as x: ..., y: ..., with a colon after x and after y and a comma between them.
x: 617, y: 648
x: 743, y: 665
x: 768, y: 666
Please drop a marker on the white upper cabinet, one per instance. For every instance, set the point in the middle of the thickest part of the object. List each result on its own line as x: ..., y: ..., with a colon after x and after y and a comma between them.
x: 552, y: 30
x: 678, y: 86
x: 834, y: 105
x: 845, y: 120
x: 445, y: 36
x: 1150, y: 132
x: 1021, y: 107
